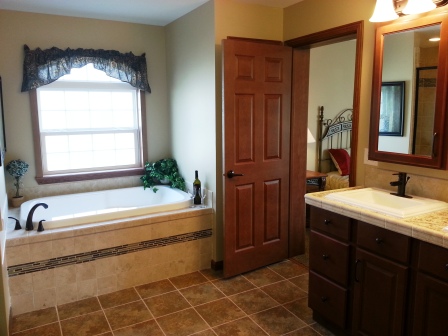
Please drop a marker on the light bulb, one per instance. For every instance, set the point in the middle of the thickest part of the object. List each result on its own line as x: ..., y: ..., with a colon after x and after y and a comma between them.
x: 418, y: 6
x: 384, y: 11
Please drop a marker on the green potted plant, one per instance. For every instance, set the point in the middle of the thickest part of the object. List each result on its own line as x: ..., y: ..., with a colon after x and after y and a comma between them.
x: 17, y: 169
x: 163, y: 171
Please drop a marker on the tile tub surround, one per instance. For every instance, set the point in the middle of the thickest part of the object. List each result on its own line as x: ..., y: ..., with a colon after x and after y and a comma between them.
x: 60, y: 266
x: 431, y: 227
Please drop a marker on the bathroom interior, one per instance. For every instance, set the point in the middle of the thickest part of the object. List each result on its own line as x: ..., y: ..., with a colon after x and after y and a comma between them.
x: 184, y: 120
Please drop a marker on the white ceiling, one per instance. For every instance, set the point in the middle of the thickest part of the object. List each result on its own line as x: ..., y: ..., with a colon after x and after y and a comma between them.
x: 153, y: 12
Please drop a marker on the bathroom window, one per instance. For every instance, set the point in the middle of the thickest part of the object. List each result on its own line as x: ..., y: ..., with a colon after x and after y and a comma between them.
x: 89, y: 127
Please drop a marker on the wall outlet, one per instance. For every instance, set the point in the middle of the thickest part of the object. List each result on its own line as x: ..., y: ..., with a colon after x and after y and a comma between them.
x: 366, y: 158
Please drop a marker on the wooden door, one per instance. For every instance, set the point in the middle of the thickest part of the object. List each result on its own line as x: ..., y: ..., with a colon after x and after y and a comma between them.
x: 256, y: 147
x: 379, y: 296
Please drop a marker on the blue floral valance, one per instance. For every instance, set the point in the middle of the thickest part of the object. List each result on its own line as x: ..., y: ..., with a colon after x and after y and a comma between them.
x: 42, y: 67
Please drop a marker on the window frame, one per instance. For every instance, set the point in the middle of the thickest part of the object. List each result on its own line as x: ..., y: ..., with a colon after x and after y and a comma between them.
x: 72, y: 177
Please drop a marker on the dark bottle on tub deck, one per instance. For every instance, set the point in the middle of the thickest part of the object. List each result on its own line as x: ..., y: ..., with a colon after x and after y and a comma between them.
x: 196, y: 189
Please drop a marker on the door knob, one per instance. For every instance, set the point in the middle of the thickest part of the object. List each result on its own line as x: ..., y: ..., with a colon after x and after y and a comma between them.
x: 231, y: 174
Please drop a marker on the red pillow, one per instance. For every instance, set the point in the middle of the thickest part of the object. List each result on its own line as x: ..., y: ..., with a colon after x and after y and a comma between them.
x: 341, y: 160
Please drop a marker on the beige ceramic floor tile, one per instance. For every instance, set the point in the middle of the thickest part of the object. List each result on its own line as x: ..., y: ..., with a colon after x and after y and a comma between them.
x: 34, y: 319
x: 85, y: 325
x: 128, y: 314
x: 183, y: 323
x: 78, y: 308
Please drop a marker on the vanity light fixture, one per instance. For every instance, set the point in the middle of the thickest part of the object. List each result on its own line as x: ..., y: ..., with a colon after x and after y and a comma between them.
x: 434, y: 39
x: 419, y: 6
x: 384, y: 11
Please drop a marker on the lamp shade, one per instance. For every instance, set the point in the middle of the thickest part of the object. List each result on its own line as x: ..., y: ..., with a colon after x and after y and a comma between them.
x: 384, y: 11
x: 309, y: 137
x: 418, y: 6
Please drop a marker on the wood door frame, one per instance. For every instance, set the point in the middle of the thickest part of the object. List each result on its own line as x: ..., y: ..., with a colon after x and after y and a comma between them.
x: 300, y: 88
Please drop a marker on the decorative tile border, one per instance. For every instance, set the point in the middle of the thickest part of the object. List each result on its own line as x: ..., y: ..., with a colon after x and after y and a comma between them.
x: 85, y: 257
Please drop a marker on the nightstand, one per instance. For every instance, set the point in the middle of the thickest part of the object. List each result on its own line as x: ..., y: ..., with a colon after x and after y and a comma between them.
x: 315, y: 179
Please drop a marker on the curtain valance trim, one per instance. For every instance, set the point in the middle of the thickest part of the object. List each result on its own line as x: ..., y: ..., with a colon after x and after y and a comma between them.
x: 42, y: 67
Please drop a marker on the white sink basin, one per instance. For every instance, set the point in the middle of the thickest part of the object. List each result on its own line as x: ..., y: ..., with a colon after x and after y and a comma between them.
x: 382, y: 201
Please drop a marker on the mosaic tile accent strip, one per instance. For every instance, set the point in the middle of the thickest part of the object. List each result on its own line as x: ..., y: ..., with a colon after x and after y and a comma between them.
x: 85, y: 257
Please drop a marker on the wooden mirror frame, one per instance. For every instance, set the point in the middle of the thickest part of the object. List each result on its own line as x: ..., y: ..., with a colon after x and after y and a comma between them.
x: 439, y: 158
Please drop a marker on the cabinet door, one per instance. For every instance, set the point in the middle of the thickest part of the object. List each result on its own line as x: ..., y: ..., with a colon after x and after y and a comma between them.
x: 379, y: 296
x: 431, y: 302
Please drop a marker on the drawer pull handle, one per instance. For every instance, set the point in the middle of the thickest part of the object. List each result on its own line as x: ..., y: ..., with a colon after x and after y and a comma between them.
x: 324, y: 299
x: 379, y: 241
x: 327, y: 221
x: 325, y: 256
x: 357, y: 262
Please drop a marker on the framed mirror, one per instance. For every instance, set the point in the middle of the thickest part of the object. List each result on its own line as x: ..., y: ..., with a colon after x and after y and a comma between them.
x: 409, y: 91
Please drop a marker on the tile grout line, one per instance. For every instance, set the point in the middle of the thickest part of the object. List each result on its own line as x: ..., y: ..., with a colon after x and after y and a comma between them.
x: 59, y: 320
x: 154, y: 318
x: 210, y: 327
x: 107, y: 320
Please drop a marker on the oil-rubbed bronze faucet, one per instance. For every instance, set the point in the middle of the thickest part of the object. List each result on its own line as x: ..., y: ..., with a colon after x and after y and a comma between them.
x: 401, y: 184
x: 29, y: 219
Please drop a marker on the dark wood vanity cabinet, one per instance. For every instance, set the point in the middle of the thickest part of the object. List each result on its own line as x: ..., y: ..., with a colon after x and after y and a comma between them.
x: 431, y: 291
x: 381, y: 275
x: 329, y: 266
x: 367, y: 280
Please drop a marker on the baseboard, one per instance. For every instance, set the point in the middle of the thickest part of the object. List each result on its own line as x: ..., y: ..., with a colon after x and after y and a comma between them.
x: 216, y: 265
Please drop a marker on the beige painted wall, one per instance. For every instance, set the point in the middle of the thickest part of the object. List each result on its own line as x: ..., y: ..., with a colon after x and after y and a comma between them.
x: 191, y: 79
x: 312, y: 16
x: 330, y: 86
x: 46, y: 31
x: 233, y: 18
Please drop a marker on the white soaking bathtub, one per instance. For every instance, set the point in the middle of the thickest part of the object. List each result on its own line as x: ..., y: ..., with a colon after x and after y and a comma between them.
x: 99, y: 206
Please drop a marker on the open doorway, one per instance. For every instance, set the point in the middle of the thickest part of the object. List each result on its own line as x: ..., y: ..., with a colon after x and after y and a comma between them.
x: 301, y: 79
x: 330, y: 109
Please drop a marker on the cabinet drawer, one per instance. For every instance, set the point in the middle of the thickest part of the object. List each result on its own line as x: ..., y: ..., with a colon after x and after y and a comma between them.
x: 330, y: 223
x: 329, y: 257
x: 328, y: 299
x: 433, y: 259
x: 383, y: 242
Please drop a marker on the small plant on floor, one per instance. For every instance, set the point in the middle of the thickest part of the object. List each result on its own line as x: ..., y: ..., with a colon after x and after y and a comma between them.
x: 17, y: 169
x: 162, y: 170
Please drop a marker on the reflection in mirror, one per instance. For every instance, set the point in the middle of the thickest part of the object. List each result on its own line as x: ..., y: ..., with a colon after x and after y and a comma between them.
x: 404, y: 53
x: 425, y: 97
x: 392, y: 108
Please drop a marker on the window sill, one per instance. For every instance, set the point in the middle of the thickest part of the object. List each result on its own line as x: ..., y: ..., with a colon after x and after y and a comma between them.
x: 49, y: 179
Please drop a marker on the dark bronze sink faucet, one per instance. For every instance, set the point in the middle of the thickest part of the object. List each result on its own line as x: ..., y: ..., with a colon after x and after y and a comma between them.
x: 401, y: 184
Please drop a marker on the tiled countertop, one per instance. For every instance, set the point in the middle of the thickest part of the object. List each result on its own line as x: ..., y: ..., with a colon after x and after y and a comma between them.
x: 429, y: 227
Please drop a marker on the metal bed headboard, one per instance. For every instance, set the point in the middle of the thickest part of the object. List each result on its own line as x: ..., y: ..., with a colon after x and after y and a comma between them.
x: 335, y: 133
